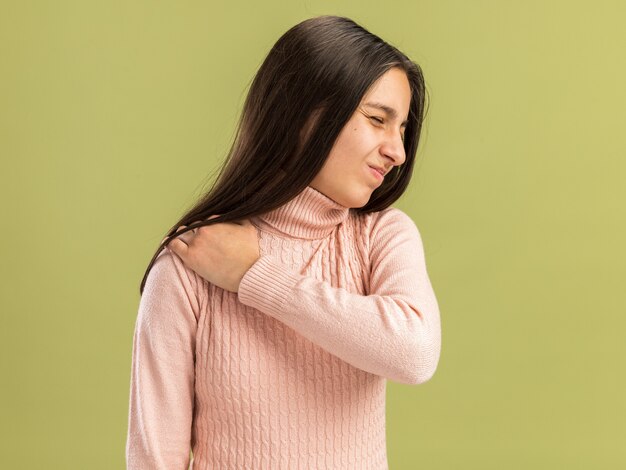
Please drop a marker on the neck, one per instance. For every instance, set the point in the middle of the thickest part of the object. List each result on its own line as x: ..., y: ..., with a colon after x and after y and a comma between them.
x: 310, y: 215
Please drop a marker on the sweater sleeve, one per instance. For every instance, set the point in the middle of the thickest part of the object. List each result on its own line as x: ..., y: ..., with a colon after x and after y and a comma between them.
x: 393, y: 332
x: 163, y: 370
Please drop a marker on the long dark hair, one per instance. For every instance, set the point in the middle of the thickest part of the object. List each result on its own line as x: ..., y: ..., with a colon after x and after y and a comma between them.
x: 307, y: 88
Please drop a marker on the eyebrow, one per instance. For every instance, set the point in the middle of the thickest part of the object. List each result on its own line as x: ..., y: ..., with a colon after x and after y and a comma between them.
x: 387, y: 109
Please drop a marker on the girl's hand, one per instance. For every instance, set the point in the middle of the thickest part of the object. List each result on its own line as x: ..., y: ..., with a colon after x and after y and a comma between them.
x: 220, y: 253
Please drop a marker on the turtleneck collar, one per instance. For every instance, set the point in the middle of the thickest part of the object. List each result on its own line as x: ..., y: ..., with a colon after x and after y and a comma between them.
x: 310, y: 215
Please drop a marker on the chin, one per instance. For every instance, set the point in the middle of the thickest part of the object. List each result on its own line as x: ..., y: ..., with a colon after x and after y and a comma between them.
x: 351, y: 197
x: 354, y: 201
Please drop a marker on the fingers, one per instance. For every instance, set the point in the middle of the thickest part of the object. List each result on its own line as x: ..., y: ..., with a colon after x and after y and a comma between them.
x: 236, y: 222
x: 178, y: 247
x: 188, y: 235
x: 185, y: 237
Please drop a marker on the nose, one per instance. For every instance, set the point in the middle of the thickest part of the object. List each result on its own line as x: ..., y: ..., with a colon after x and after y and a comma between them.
x: 393, y: 149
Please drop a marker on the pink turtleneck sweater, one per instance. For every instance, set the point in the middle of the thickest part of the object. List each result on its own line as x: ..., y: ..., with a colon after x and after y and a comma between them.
x: 289, y: 372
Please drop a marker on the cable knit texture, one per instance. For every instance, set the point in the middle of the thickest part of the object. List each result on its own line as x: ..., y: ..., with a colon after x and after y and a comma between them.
x: 289, y: 372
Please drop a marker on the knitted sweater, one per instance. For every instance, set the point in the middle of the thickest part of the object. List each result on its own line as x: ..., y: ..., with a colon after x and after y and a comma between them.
x: 289, y: 372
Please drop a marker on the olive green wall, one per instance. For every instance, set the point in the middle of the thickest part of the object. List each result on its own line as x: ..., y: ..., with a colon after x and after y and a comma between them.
x: 114, y: 114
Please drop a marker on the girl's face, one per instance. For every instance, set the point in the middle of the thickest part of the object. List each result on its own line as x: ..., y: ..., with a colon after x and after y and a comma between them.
x: 373, y: 137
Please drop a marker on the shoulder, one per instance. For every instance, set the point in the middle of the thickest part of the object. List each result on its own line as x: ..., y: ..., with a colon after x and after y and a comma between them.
x: 388, y: 226
x: 169, y: 274
x: 387, y: 221
x: 392, y: 216
x: 169, y: 263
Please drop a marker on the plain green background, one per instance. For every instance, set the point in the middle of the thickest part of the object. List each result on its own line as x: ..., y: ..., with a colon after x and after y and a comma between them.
x: 114, y: 114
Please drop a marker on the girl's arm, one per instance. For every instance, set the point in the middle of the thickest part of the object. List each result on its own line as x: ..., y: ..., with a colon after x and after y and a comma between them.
x: 162, y: 378
x: 394, y: 332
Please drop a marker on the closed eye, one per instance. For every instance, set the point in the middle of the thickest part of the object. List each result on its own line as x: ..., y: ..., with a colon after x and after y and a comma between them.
x: 381, y: 121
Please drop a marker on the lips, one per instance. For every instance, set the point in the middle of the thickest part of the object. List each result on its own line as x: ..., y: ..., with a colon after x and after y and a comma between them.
x: 378, y: 169
x: 376, y: 174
